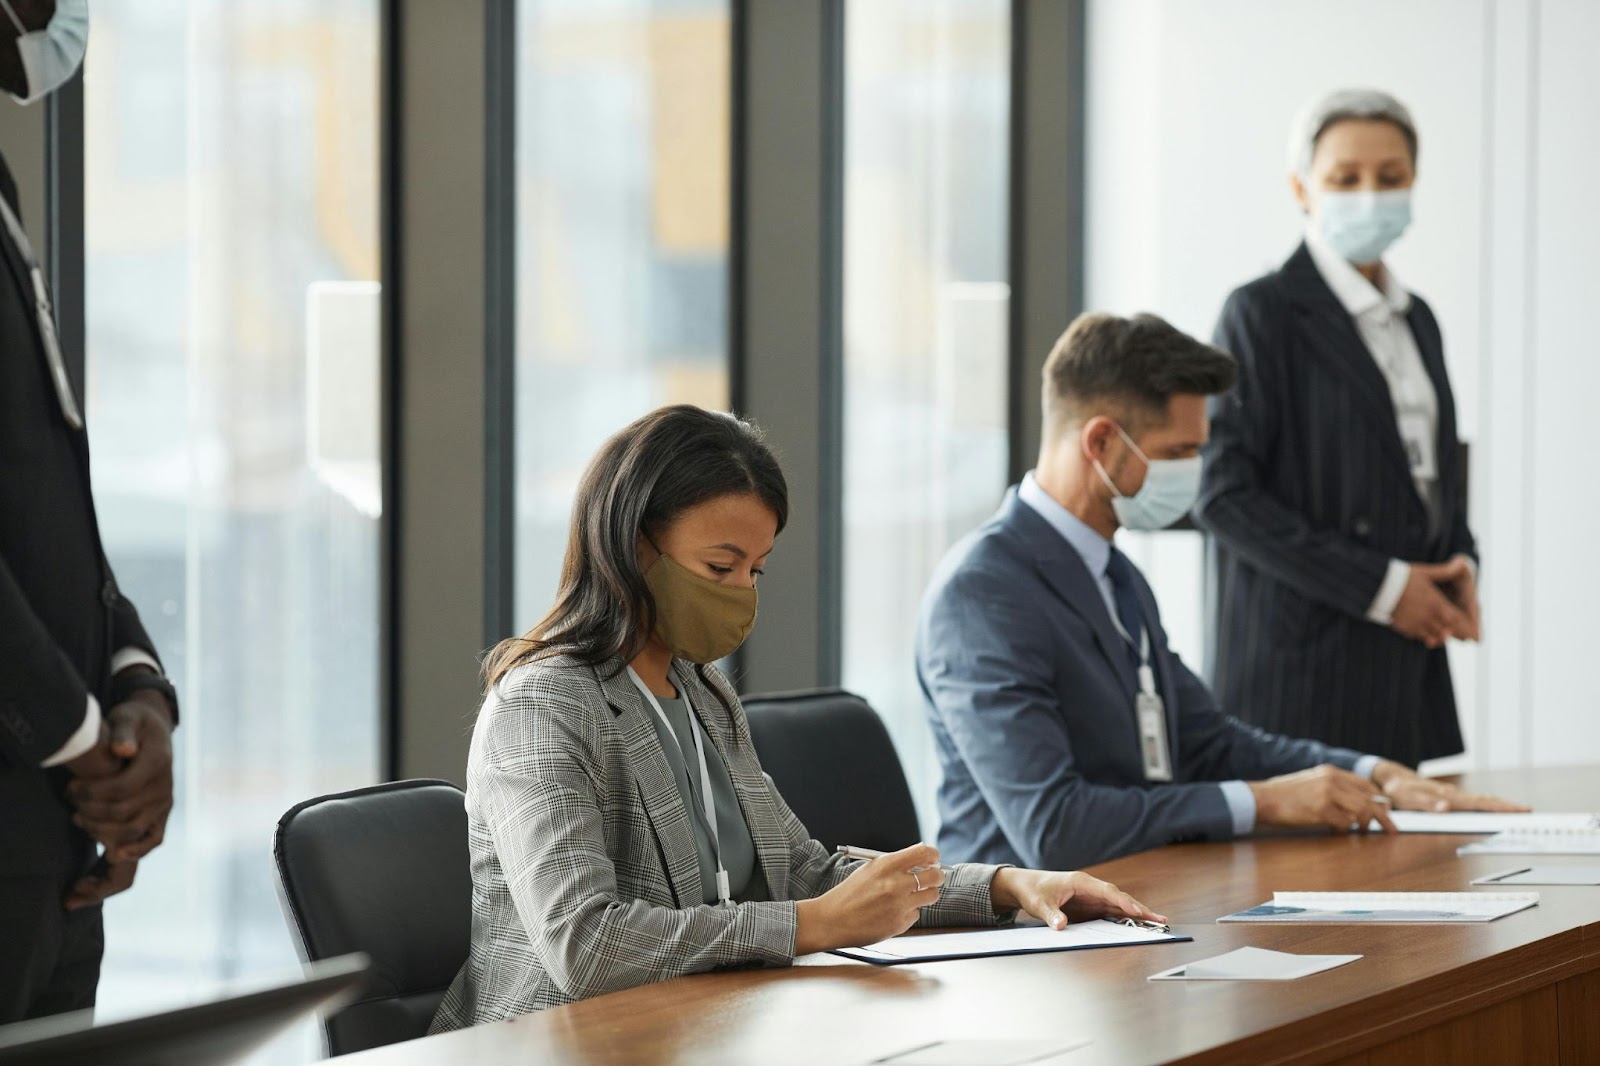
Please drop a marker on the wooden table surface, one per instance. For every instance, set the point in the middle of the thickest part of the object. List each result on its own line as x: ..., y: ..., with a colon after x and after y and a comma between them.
x: 1525, y: 988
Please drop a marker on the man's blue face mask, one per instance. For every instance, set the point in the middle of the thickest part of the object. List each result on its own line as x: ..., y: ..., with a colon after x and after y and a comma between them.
x: 1170, y: 488
x: 52, y: 55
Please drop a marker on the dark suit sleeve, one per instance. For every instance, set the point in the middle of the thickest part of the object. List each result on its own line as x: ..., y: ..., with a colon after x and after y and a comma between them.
x: 42, y: 697
x: 127, y: 631
x: 986, y: 666
x: 1236, y: 505
x: 1219, y: 747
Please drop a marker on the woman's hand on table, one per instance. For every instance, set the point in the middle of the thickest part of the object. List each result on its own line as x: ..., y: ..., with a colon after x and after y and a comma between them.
x: 1056, y: 897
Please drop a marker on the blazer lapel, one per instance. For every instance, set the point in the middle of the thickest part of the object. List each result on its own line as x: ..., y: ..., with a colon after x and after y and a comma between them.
x: 718, y: 710
x: 18, y: 266
x: 658, y: 791
x: 1332, y: 335
x: 1065, y: 572
x: 1446, y: 446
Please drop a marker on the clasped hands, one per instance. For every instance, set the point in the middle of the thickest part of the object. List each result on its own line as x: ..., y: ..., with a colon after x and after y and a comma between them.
x: 1328, y: 796
x: 1440, y: 601
x: 121, y: 793
x: 882, y: 898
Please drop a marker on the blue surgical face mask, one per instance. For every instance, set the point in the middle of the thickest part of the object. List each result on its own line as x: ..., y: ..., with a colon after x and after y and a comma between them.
x: 52, y: 55
x: 1362, y: 225
x: 1170, y: 488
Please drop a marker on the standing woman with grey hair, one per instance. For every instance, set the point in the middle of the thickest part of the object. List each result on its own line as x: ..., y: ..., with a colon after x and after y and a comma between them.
x: 1333, y: 482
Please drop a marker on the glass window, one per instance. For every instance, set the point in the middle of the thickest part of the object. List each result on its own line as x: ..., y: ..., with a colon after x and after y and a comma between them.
x: 622, y: 240
x: 232, y: 316
x: 927, y: 111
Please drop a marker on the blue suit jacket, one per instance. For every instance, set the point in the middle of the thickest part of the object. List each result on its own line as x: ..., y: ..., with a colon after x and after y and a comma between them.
x: 1030, y: 696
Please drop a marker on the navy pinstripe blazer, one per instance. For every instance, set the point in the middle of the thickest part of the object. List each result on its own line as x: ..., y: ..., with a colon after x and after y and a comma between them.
x: 1308, y: 495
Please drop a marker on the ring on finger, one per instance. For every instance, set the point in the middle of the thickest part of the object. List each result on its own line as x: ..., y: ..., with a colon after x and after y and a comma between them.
x: 916, y: 880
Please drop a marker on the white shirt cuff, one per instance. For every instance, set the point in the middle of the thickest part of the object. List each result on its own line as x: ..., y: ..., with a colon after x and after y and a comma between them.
x: 1389, y: 593
x: 1241, y: 804
x: 130, y: 656
x: 1366, y: 766
x: 81, y: 741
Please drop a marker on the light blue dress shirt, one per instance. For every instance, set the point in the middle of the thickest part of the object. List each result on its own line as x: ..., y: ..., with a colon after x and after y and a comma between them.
x: 1095, y: 551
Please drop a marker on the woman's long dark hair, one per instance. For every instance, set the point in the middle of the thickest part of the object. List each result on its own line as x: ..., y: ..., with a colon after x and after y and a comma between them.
x: 642, y: 479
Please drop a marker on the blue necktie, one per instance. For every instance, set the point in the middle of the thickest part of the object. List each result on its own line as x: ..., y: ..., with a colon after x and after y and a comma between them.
x: 1120, y: 571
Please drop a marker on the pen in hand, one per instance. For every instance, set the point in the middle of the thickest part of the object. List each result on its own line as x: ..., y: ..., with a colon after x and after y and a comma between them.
x: 867, y: 854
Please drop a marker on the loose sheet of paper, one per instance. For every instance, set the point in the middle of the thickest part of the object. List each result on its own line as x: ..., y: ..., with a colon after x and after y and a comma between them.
x: 1253, y: 964
x: 1098, y: 933
x: 1544, y: 875
x: 1489, y: 822
x: 996, y: 1052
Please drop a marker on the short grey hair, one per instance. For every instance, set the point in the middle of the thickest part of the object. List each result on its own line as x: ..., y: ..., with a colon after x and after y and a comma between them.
x: 1315, y: 118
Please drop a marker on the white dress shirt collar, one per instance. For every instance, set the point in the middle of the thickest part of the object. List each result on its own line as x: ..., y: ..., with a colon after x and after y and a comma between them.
x: 1355, y: 292
x: 1092, y: 548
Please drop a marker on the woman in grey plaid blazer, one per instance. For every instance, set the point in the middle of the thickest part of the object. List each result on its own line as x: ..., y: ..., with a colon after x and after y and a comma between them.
x: 612, y: 845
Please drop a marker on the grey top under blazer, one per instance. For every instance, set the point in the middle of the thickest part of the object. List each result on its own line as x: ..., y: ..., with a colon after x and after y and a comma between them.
x: 1030, y: 695
x: 1308, y: 495
x: 584, y: 870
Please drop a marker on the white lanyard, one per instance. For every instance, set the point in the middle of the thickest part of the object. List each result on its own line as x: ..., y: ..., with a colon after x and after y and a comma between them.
x: 1147, y: 675
x: 707, y: 803
x: 1149, y: 711
x: 46, y: 318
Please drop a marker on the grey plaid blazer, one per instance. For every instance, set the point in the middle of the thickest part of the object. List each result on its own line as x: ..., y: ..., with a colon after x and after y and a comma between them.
x: 584, y: 873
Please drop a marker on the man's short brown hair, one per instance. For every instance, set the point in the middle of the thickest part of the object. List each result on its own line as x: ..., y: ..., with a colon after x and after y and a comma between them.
x: 1127, y: 368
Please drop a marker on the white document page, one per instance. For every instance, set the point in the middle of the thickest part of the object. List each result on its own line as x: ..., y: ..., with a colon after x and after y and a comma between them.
x: 1543, y: 875
x: 1098, y: 933
x: 1549, y: 842
x: 1253, y: 964
x: 1341, y: 907
x: 1488, y: 821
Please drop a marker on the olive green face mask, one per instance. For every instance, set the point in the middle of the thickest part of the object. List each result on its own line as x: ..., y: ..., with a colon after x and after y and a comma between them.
x: 697, y: 618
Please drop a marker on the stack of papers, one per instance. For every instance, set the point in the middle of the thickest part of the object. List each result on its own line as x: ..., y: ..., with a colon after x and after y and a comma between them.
x: 1386, y: 907
x: 1490, y: 822
x: 1253, y: 964
x: 1538, y: 842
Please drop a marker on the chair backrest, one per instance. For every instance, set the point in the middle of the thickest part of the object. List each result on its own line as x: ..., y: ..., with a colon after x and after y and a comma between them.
x: 832, y: 760
x: 381, y: 870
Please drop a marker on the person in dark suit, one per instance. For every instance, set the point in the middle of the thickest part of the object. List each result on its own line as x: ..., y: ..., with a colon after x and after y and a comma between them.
x: 85, y: 715
x: 1067, y: 729
x: 1333, y: 486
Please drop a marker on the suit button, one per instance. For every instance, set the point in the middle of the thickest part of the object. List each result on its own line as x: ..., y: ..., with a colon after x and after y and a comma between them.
x: 1362, y: 528
x: 108, y: 593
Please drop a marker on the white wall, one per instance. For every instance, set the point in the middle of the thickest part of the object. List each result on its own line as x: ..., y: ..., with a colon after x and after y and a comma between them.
x: 1189, y: 107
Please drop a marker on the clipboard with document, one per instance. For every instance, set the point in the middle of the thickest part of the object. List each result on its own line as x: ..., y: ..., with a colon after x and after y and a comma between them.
x: 1013, y: 940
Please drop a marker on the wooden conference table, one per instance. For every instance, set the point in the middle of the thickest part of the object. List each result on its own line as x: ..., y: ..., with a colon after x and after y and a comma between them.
x: 1523, y: 989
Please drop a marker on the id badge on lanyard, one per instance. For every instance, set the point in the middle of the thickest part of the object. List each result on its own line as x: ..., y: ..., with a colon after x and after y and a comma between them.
x: 707, y: 801
x: 1152, y: 715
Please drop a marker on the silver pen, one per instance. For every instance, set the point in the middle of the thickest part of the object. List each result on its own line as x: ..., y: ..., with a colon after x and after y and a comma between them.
x: 868, y: 855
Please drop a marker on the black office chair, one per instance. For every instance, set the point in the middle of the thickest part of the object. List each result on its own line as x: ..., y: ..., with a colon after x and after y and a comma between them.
x: 381, y: 870
x: 834, y: 764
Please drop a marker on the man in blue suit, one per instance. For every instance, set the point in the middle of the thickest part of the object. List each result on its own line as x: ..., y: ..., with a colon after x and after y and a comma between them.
x: 1068, y: 731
